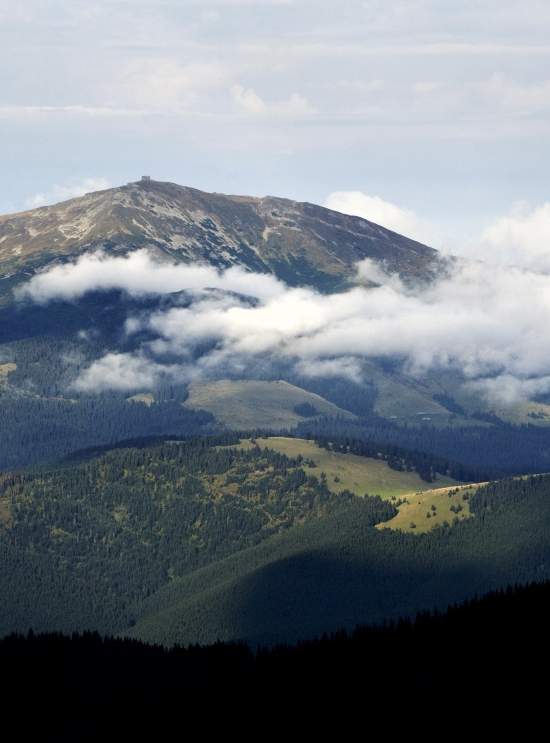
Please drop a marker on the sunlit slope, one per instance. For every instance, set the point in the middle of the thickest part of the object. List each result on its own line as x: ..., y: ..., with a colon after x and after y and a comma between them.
x: 360, y: 475
x: 422, y: 511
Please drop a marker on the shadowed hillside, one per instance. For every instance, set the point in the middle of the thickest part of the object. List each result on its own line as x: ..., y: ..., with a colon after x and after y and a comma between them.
x: 493, y: 649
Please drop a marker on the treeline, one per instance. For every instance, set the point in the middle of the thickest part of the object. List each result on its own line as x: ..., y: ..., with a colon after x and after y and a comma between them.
x: 483, y: 452
x: 493, y: 649
x: 36, y: 430
x: 427, y: 466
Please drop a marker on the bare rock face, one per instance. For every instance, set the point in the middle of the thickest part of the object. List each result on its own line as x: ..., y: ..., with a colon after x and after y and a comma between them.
x: 298, y: 242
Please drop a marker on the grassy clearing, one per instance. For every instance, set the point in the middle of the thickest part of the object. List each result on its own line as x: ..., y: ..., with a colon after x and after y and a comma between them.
x: 360, y: 475
x: 5, y: 511
x: 423, y: 510
x: 5, y: 371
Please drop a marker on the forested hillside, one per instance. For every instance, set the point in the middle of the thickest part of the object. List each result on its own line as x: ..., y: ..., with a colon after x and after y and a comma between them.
x: 490, y: 450
x: 83, y: 545
x: 491, y: 650
x: 198, y: 540
x: 35, y: 431
x: 340, y: 571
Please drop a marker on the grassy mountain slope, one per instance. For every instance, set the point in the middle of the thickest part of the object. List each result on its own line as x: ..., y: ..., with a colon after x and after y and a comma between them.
x: 357, y: 474
x: 249, y: 404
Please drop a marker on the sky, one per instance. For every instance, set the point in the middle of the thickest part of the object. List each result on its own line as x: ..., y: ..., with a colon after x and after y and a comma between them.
x: 429, y: 116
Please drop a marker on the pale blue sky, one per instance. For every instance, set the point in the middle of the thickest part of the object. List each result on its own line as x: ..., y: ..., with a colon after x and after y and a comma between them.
x: 442, y: 108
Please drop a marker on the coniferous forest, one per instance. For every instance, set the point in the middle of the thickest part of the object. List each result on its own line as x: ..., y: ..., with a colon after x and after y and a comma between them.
x: 198, y: 540
x: 88, y: 687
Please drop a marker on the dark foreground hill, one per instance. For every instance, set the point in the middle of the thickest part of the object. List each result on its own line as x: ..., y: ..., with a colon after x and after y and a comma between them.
x: 185, y: 543
x: 340, y: 571
x: 478, y: 655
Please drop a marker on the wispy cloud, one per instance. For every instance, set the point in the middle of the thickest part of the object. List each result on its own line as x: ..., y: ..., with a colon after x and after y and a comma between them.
x: 248, y: 101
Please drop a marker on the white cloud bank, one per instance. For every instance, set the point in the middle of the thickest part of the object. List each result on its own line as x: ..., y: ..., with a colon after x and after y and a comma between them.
x: 522, y: 237
x: 489, y: 323
x: 249, y: 102
x: 138, y: 274
x: 519, y: 238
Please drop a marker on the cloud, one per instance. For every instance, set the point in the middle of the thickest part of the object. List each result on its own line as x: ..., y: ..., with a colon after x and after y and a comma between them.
x: 517, y: 98
x: 63, y: 192
x: 165, y: 84
x: 118, y: 371
x: 506, y: 389
x: 345, y: 366
x: 137, y: 273
x: 426, y: 87
x: 522, y: 237
x: 488, y: 323
x: 248, y: 101
x: 27, y: 112
x: 382, y: 212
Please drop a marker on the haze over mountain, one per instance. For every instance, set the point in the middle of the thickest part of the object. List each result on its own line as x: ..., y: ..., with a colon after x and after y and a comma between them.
x: 300, y: 243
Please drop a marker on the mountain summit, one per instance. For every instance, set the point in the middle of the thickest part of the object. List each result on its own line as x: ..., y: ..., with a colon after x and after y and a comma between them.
x: 300, y: 243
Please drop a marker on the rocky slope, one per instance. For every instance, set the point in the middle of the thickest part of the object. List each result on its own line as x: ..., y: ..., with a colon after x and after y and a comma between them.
x: 299, y: 242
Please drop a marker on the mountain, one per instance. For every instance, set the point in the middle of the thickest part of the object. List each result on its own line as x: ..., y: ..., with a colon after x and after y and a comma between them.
x: 301, y: 243
x: 138, y: 509
x: 42, y: 350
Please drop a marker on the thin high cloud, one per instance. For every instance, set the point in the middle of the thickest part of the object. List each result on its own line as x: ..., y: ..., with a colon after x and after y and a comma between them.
x: 211, y: 93
x: 487, y: 322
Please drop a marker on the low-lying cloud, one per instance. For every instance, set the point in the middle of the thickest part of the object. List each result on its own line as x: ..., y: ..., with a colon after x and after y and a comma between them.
x: 489, y: 323
x: 521, y: 237
x: 139, y: 274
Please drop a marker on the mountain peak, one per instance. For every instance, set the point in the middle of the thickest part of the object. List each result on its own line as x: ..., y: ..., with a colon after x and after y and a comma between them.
x: 299, y: 242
